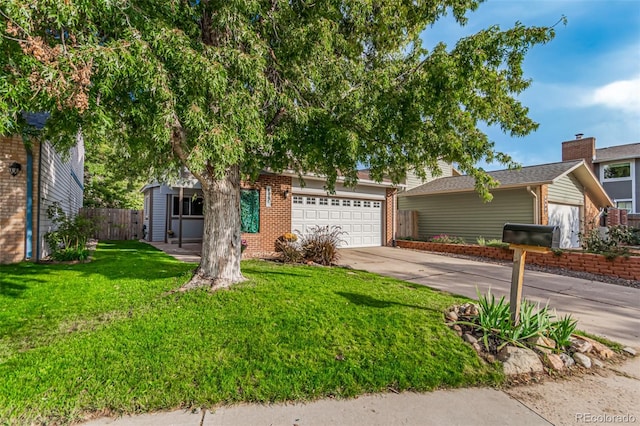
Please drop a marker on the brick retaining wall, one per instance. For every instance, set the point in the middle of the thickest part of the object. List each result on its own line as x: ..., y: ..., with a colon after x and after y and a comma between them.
x: 622, y: 267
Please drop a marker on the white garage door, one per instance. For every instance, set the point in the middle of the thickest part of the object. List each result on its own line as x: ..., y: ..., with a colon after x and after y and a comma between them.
x: 360, y: 219
x: 568, y: 219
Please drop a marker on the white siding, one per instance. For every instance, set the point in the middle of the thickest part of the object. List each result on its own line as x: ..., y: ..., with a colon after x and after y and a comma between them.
x: 60, y: 182
x: 316, y: 187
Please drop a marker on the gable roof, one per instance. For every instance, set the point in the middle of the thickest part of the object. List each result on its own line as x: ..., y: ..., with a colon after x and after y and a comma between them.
x: 518, y: 178
x: 619, y: 152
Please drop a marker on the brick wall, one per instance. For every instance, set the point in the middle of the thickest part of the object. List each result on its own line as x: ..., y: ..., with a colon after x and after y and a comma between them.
x: 621, y: 267
x: 544, y: 204
x: 389, y: 207
x: 580, y: 149
x: 274, y: 220
x: 591, y: 214
x: 13, y: 196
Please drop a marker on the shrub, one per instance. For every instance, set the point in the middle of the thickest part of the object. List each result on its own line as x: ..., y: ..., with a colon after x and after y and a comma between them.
x: 290, y: 251
x: 321, y: 244
x: 447, y: 239
x: 69, y: 240
x: 494, y: 321
x: 611, y: 245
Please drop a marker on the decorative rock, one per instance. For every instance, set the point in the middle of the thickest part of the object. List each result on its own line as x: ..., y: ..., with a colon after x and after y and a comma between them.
x: 597, y: 363
x: 469, y: 338
x: 630, y: 351
x: 452, y: 316
x: 599, y: 349
x: 457, y: 329
x: 582, y: 359
x: 490, y: 358
x: 555, y: 362
x: 581, y: 346
x: 519, y: 361
x: 567, y: 360
x: 476, y: 347
x: 542, y: 344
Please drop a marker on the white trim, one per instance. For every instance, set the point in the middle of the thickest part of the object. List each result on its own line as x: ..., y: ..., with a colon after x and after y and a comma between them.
x: 623, y: 200
x: 338, y: 194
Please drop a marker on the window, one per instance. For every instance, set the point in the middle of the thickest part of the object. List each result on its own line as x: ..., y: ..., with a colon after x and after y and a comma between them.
x: 376, y: 204
x: 624, y: 205
x: 357, y: 203
x: 367, y: 204
x: 311, y: 201
x: 616, y: 171
x: 250, y: 210
x: 297, y: 199
x: 323, y: 202
x: 191, y: 206
x: 346, y: 203
x: 335, y: 202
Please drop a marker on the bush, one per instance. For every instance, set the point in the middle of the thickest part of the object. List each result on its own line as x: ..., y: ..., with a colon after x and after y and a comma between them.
x: 290, y: 251
x: 447, y: 239
x: 321, y: 245
x: 494, y: 321
x: 611, y: 245
x: 69, y: 240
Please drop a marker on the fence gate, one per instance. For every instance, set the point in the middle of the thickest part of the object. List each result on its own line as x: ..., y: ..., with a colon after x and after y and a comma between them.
x: 115, y: 224
x: 407, y: 224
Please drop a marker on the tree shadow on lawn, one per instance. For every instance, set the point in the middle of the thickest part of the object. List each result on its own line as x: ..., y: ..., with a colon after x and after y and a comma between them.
x: 364, y: 300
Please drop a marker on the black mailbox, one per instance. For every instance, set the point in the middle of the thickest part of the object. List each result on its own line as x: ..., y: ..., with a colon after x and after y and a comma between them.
x: 531, y: 235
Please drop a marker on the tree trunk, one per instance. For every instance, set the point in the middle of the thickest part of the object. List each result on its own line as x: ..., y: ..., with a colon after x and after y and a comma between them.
x: 221, y: 240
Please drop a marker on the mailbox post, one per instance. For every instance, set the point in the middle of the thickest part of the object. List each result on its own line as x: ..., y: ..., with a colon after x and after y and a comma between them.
x: 522, y: 238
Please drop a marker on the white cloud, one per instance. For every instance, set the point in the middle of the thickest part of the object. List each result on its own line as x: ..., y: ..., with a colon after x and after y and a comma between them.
x: 623, y: 95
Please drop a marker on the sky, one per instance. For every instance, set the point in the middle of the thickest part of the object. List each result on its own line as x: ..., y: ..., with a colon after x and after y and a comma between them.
x: 586, y: 80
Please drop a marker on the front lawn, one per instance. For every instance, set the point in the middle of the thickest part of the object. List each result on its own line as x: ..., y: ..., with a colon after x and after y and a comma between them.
x: 107, y: 337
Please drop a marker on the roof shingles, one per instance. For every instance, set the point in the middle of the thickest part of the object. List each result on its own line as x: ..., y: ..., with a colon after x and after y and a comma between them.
x: 618, y: 152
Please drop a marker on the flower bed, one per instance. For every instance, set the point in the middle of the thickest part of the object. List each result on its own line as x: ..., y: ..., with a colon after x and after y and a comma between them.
x: 627, y: 268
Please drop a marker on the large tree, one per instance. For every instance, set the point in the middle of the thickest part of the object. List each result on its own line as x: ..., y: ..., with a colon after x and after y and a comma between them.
x: 227, y: 88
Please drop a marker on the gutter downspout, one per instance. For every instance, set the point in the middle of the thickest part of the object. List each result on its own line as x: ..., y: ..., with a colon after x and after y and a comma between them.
x: 38, y: 248
x: 536, y: 206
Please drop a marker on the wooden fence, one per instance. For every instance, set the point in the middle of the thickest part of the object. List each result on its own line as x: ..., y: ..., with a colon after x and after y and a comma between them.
x: 407, y: 224
x: 115, y: 224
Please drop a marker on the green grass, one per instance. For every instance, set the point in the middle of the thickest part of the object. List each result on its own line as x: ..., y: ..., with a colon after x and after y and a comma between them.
x: 107, y: 337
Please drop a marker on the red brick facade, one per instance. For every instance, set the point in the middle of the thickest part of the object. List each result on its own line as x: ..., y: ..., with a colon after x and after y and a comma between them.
x: 389, y: 216
x: 13, y: 201
x: 627, y: 268
x: 274, y: 220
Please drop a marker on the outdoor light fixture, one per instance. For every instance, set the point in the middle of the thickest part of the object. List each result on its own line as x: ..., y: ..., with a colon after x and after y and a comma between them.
x: 286, y: 193
x: 15, y: 168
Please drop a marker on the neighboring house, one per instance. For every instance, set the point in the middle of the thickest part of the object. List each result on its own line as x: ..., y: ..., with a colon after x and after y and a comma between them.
x: 617, y: 168
x: 566, y: 194
x: 33, y: 176
x: 276, y: 204
x: 447, y: 169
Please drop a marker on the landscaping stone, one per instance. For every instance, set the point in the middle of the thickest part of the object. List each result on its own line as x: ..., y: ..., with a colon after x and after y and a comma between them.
x: 542, y: 344
x: 597, y: 363
x: 582, y: 359
x: 476, y: 346
x: 554, y: 362
x: 519, y: 361
x: 457, y: 329
x: 629, y: 350
x: 567, y: 360
x: 582, y: 346
x: 603, y: 351
x: 452, y: 316
x: 469, y: 338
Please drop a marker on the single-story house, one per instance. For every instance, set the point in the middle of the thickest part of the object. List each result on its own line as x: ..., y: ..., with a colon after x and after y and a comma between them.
x: 276, y: 204
x: 566, y: 194
x: 33, y: 176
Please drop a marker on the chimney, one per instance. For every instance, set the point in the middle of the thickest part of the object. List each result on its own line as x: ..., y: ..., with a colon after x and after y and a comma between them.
x: 580, y: 148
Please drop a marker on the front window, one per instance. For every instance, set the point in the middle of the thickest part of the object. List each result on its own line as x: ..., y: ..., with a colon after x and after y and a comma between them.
x: 624, y: 205
x: 191, y: 206
x: 616, y: 171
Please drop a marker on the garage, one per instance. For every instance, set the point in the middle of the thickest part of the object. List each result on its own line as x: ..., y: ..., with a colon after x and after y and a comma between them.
x: 567, y: 217
x: 361, y: 219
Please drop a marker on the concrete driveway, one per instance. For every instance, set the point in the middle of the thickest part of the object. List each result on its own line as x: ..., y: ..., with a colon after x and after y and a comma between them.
x: 607, y: 310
